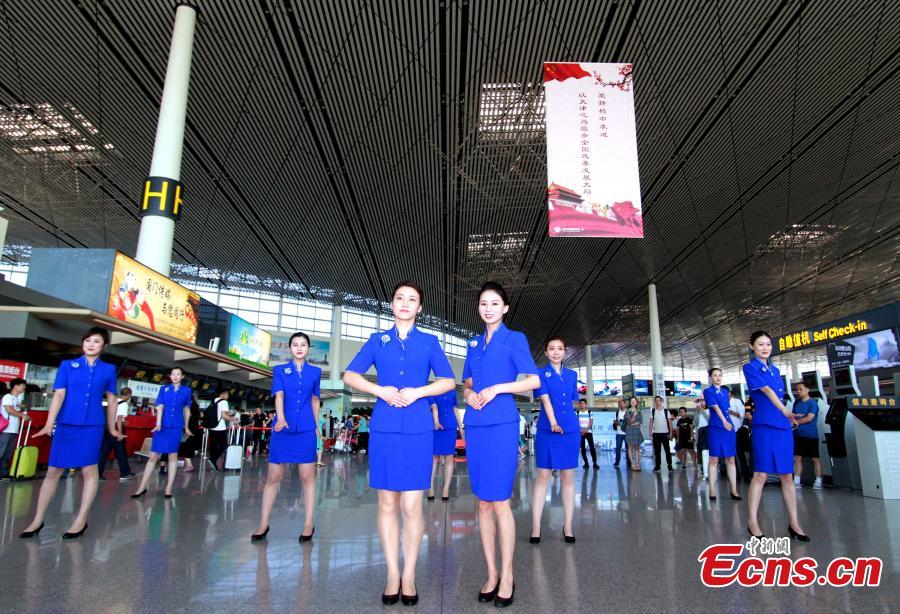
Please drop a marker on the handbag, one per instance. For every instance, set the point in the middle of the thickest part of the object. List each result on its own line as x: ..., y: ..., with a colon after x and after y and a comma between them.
x: 4, y: 422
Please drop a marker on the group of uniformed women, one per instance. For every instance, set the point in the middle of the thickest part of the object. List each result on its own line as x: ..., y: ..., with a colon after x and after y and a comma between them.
x: 413, y: 423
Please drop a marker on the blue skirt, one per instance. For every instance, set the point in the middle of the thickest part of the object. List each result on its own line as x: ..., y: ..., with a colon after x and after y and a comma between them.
x: 773, y: 449
x: 74, y: 446
x: 167, y: 440
x: 400, y: 461
x: 721, y: 443
x: 555, y: 450
x: 445, y: 442
x: 288, y: 447
x: 492, y: 455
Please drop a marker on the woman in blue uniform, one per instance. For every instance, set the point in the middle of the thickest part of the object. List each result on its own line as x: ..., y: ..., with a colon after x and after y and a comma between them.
x: 79, y: 417
x: 494, y: 361
x: 401, y: 442
x: 558, y: 438
x: 443, y: 411
x: 295, y: 386
x: 773, y: 442
x: 173, y: 410
x: 720, y: 435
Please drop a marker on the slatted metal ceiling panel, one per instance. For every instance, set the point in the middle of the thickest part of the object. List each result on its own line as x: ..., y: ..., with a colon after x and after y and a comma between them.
x: 342, y: 146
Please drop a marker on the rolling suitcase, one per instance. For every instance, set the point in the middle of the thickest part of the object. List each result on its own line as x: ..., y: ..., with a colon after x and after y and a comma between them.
x: 234, y: 452
x: 24, y: 460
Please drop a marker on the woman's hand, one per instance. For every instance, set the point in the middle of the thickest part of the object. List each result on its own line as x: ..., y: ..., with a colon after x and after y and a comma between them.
x: 280, y: 425
x: 156, y: 429
x: 188, y: 433
x: 391, y: 396
x: 438, y: 426
x: 728, y: 425
x: 46, y: 431
x: 410, y: 395
x: 555, y: 428
x: 487, y: 395
x: 472, y: 399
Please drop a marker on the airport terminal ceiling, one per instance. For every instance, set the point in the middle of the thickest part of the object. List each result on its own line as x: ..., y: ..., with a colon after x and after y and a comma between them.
x: 349, y: 145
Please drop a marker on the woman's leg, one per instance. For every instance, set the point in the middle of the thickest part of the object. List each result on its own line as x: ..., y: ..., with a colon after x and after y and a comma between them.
x: 537, y: 501
x: 90, y: 477
x: 567, y: 477
x: 713, y: 474
x: 413, y: 529
x: 488, y: 531
x: 173, y: 469
x: 448, y: 474
x: 789, y: 493
x: 308, y: 479
x: 270, y: 491
x: 389, y: 530
x: 148, y: 472
x: 754, y: 494
x: 48, y: 489
x: 731, y: 470
x: 507, y: 529
x: 435, y: 462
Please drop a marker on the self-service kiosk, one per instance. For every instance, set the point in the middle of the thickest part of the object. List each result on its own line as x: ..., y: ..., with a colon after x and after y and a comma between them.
x: 841, y: 438
x: 878, y: 441
x: 813, y: 381
x: 868, y: 385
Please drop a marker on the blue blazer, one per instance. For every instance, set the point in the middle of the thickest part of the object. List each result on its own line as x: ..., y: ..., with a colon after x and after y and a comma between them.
x: 446, y: 404
x: 718, y: 397
x: 298, y: 386
x: 758, y: 375
x: 85, y: 388
x: 498, y: 362
x: 403, y: 363
x: 562, y: 389
x: 173, y: 402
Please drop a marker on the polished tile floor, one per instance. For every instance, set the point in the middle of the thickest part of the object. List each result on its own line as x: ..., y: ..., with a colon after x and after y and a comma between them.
x: 639, y: 535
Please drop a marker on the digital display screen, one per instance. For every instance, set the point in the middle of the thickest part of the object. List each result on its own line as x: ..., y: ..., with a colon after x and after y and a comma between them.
x: 642, y: 388
x: 687, y: 388
x: 248, y: 343
x: 607, y: 387
x: 877, y: 350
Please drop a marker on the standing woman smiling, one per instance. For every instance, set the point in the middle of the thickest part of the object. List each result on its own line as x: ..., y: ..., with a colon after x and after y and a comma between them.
x: 773, y: 442
x: 295, y: 435
x: 173, y: 410
x: 401, y: 440
x: 558, y: 439
x: 494, y: 361
x: 78, y: 415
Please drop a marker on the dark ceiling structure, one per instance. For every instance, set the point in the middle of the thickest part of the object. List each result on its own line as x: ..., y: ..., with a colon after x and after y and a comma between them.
x: 335, y: 148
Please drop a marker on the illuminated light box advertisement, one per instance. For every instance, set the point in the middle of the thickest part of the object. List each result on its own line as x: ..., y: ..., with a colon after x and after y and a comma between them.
x: 642, y: 388
x: 877, y: 350
x: 280, y: 351
x: 687, y: 389
x: 592, y: 164
x: 607, y: 387
x: 139, y: 295
x: 248, y: 343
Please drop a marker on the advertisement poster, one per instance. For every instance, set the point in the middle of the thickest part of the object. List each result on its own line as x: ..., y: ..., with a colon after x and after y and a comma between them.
x: 607, y: 387
x: 144, y: 390
x: 319, y: 350
x: 10, y: 370
x: 248, y: 343
x: 687, y: 389
x: 840, y: 354
x: 592, y: 165
x: 139, y: 295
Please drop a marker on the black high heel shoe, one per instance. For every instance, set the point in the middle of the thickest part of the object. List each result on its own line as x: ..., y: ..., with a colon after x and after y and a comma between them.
x: 534, y: 540
x: 430, y: 497
x: 307, y: 538
x: 68, y: 535
x: 445, y: 498
x: 258, y: 537
x: 489, y: 596
x: 138, y: 495
x: 409, y: 599
x: 570, y: 539
x: 27, y: 534
x: 712, y: 497
x: 168, y: 496
x: 736, y: 497
x: 797, y: 536
x: 502, y: 602
x: 391, y: 599
x: 760, y: 536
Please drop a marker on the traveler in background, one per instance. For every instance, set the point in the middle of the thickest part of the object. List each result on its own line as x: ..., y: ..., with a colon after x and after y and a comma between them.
x: 329, y: 419
x: 634, y: 437
x: 684, y: 428
x: 295, y: 386
x: 702, y: 415
x: 557, y: 447
x: 218, y: 434
x: 362, y: 434
x: 720, y: 434
x: 773, y: 443
x: 402, y: 438
x: 494, y: 362
x: 77, y: 413
x: 744, y: 446
x: 736, y: 415
x: 523, y: 436
x: 661, y: 432
x: 173, y: 407
x: 189, y: 447
x: 9, y: 408
x: 806, y: 437
x: 258, y: 422
x: 619, y: 428
x: 586, y: 424
x: 446, y: 420
x: 118, y: 445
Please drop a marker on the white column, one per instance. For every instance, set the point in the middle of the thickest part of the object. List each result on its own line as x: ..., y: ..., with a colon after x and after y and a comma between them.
x: 794, y: 360
x: 336, y: 365
x: 158, y: 232
x: 4, y: 224
x: 656, y: 355
x: 589, y: 374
